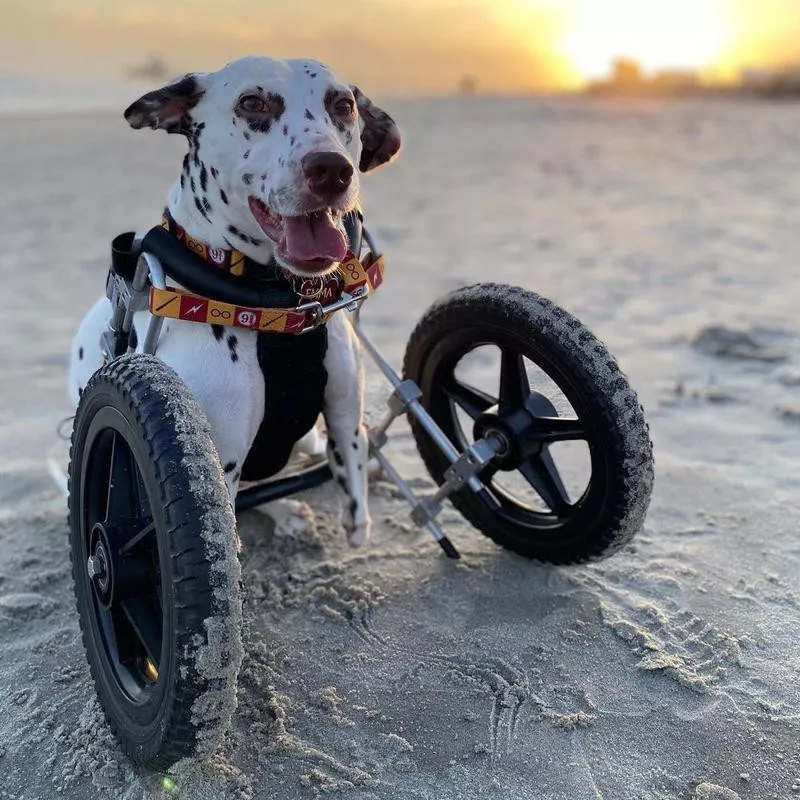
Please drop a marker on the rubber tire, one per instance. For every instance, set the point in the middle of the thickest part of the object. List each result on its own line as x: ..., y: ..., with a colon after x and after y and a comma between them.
x: 619, y: 428
x: 196, y: 532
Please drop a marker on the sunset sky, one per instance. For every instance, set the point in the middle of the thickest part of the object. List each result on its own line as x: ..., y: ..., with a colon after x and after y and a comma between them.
x: 407, y: 46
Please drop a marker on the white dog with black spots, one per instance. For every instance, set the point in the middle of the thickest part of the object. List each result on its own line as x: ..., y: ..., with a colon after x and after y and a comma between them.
x: 274, y: 153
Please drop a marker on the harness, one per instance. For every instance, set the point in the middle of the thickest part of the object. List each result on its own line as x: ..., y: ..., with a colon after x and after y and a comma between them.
x: 287, y: 312
x: 309, y: 295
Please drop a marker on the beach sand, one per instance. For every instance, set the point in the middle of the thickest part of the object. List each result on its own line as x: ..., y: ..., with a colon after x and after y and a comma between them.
x: 668, y: 671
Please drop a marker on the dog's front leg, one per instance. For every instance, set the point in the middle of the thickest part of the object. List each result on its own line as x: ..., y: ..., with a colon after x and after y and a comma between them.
x: 347, y: 439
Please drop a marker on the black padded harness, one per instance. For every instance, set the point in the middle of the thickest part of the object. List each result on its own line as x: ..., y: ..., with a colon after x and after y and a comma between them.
x: 292, y: 365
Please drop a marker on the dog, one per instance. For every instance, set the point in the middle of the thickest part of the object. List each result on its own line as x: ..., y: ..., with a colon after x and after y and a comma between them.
x: 275, y: 148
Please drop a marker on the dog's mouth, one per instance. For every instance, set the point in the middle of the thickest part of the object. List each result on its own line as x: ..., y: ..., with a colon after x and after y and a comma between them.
x: 311, y: 242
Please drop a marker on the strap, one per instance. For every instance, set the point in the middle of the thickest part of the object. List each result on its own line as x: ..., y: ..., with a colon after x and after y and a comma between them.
x: 179, y: 304
x: 233, y: 261
x: 185, y: 268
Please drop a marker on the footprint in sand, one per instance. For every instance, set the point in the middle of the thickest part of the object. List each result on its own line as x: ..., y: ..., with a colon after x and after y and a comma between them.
x: 26, y: 606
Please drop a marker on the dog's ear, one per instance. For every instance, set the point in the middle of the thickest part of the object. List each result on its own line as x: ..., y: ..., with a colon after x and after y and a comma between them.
x: 380, y: 136
x: 167, y: 108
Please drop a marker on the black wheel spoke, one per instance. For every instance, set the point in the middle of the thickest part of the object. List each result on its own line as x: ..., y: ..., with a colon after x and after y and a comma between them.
x: 514, y: 386
x: 469, y: 398
x: 540, y: 405
x: 121, y: 502
x: 105, y: 617
x: 557, y: 429
x: 145, y: 624
x: 137, y: 538
x: 542, y: 474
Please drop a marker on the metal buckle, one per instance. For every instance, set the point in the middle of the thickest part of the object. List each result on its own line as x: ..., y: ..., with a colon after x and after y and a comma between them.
x: 315, y: 310
x: 320, y: 314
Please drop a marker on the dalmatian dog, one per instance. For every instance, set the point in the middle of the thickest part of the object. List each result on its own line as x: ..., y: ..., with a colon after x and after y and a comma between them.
x: 275, y: 148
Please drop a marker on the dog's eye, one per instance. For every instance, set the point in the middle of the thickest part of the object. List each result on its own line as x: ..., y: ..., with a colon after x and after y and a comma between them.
x: 253, y: 104
x: 343, y: 107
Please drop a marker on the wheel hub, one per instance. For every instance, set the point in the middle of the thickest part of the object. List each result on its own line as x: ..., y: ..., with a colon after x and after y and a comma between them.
x: 98, y: 565
x: 514, y: 428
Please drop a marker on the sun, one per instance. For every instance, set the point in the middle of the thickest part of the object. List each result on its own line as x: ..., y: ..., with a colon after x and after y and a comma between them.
x: 659, y: 34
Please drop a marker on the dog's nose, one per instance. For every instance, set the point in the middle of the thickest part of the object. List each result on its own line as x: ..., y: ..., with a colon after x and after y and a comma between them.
x: 328, y: 174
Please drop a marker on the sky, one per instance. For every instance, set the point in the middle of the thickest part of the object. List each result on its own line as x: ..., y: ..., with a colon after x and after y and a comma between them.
x: 402, y: 46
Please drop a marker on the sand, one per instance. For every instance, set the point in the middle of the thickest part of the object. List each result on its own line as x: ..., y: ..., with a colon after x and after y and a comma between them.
x: 668, y: 671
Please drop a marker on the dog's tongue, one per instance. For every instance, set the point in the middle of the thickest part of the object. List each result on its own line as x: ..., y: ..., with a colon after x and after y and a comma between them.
x: 314, y: 236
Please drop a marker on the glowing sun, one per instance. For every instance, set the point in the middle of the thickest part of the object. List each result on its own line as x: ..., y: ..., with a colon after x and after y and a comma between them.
x: 677, y: 34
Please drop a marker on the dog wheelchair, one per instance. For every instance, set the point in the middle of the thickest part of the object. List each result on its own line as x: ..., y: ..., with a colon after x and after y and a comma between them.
x: 152, y: 530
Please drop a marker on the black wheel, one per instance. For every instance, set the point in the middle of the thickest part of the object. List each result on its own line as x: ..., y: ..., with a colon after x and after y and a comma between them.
x: 154, y: 560
x: 573, y: 480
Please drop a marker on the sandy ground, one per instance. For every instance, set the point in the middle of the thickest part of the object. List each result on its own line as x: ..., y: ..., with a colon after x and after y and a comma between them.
x: 669, y: 671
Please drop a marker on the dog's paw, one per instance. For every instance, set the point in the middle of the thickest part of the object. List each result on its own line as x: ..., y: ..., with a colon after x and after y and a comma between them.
x: 313, y: 445
x: 292, y: 518
x: 375, y: 470
x: 357, y: 535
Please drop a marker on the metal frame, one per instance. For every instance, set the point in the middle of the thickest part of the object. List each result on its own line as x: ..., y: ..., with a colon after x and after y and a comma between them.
x: 129, y: 297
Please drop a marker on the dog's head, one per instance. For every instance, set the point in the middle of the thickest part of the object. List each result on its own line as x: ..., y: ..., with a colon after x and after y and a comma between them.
x: 274, y: 148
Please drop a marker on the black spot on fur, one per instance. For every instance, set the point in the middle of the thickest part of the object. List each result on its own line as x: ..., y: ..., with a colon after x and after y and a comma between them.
x: 80, y: 353
x: 219, y: 331
x: 223, y: 197
x: 246, y: 136
x: 292, y: 141
x: 196, y: 156
x: 183, y: 181
x: 341, y: 481
x: 355, y: 445
x: 353, y: 507
x: 259, y: 125
x: 186, y: 163
x: 214, y: 172
x: 192, y: 184
x: 337, y: 457
x: 206, y: 204
x: 358, y: 432
x: 331, y: 442
x: 313, y: 74
x: 305, y: 130
x: 285, y: 130
x: 233, y: 230
x: 308, y: 115
x: 200, y: 208
x: 247, y: 178
x: 246, y: 154
x: 204, y: 178
x: 232, y: 342
x: 230, y: 466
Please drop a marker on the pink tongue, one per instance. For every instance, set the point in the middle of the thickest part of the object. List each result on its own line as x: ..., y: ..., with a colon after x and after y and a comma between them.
x: 310, y: 237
